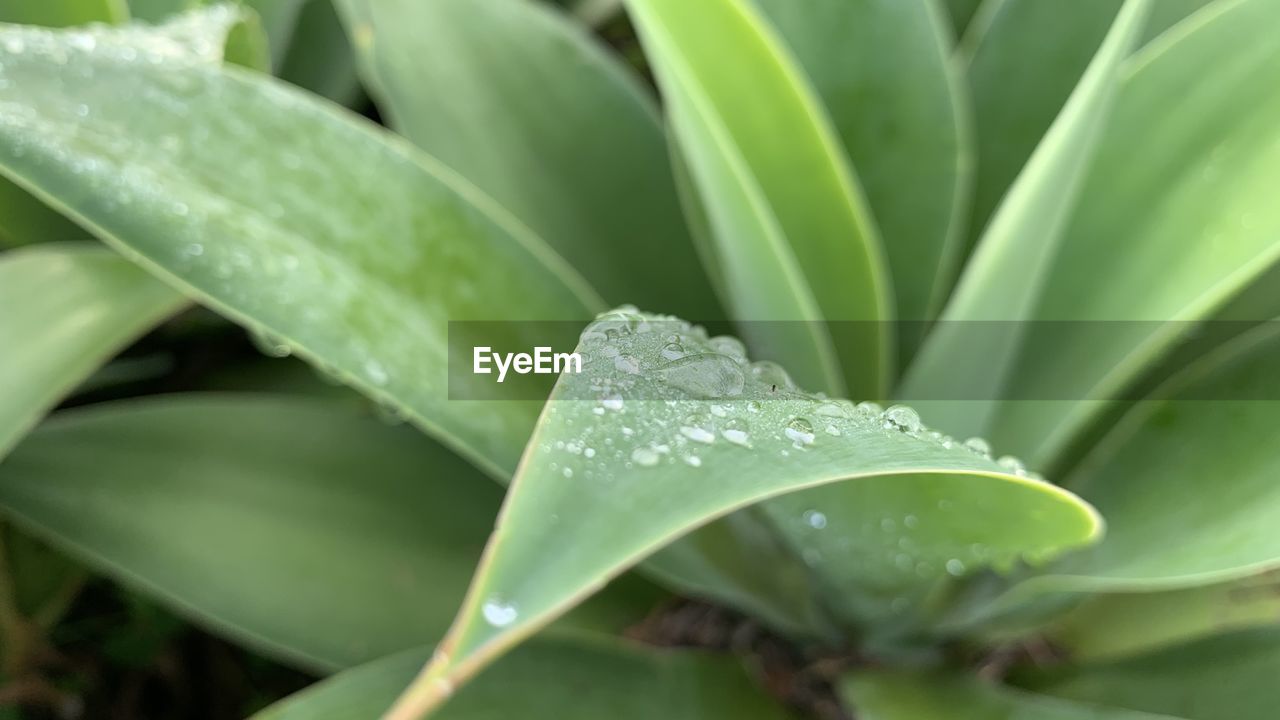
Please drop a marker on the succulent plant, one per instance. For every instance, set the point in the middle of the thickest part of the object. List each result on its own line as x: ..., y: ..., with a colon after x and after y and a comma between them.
x: 997, y: 441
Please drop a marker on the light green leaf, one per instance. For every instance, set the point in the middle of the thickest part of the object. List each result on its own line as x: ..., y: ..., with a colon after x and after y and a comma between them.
x: 570, y: 677
x: 66, y: 310
x: 1122, y: 624
x: 542, y: 119
x: 1148, y: 479
x: 285, y: 214
x: 1003, y: 280
x: 793, y: 236
x: 1231, y: 677
x: 1184, y: 176
x: 233, y: 508
x: 901, y: 696
x: 648, y: 443
x: 63, y: 13
x: 229, y: 508
x: 882, y: 69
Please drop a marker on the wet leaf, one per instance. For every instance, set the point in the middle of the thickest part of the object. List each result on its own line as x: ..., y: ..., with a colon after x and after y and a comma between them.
x: 345, y: 245
x: 639, y: 449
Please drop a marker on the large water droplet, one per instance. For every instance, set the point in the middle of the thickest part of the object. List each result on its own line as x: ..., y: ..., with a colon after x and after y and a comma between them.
x: 772, y: 375
x: 800, y: 432
x: 644, y: 456
x: 735, y: 431
x: 499, y: 613
x: 978, y: 446
x: 1013, y: 465
x: 903, y: 419
x: 815, y: 519
x: 706, y: 375
x: 673, y: 351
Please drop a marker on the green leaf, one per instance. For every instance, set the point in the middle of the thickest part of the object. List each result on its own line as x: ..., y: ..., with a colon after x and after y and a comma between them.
x: 232, y: 508
x: 793, y: 237
x: 1184, y: 175
x: 1003, y: 280
x: 901, y: 696
x: 285, y: 214
x: 229, y: 508
x: 1122, y: 624
x: 542, y: 119
x: 63, y: 13
x: 1148, y: 479
x: 1231, y: 677
x: 961, y: 13
x: 649, y: 442
x: 1022, y: 58
x: 572, y: 677
x: 882, y: 69
x: 319, y: 58
x: 23, y: 219
x: 67, y: 310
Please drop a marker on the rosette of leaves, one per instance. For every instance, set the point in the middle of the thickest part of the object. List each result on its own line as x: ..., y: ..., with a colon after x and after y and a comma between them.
x: 1015, y: 219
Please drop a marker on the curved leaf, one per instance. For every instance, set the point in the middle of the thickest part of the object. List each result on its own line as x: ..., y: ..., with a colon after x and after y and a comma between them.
x: 1148, y: 480
x: 1232, y: 677
x: 1184, y: 175
x: 1004, y: 278
x: 882, y: 69
x: 650, y: 442
x: 320, y: 58
x: 556, y: 676
x: 230, y: 508
x: 66, y: 310
x: 285, y: 214
x: 901, y: 696
x: 538, y: 116
x: 793, y: 236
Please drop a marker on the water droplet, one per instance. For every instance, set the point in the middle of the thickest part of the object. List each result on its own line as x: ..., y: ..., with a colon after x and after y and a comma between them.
x: 673, y: 351
x: 499, y: 613
x: 870, y: 409
x: 800, y: 432
x: 911, y: 521
x: 735, y: 431
x: 268, y: 344
x: 719, y: 411
x: 815, y: 519
x: 1013, y: 465
x: 834, y: 409
x: 697, y: 434
x: 645, y: 456
x: 978, y: 446
x: 375, y: 372
x: 730, y: 346
x: 955, y: 567
x: 568, y: 472
x: 903, y: 419
x: 833, y: 431
x: 589, y: 452
x: 194, y: 250
x: 706, y: 375
x: 693, y: 460
x: 772, y: 375
x: 613, y: 402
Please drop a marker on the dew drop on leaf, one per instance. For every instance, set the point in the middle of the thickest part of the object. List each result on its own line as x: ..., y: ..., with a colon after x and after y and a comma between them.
x: 706, y: 376
x: 499, y: 613
x: 800, y: 432
x: 903, y: 419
